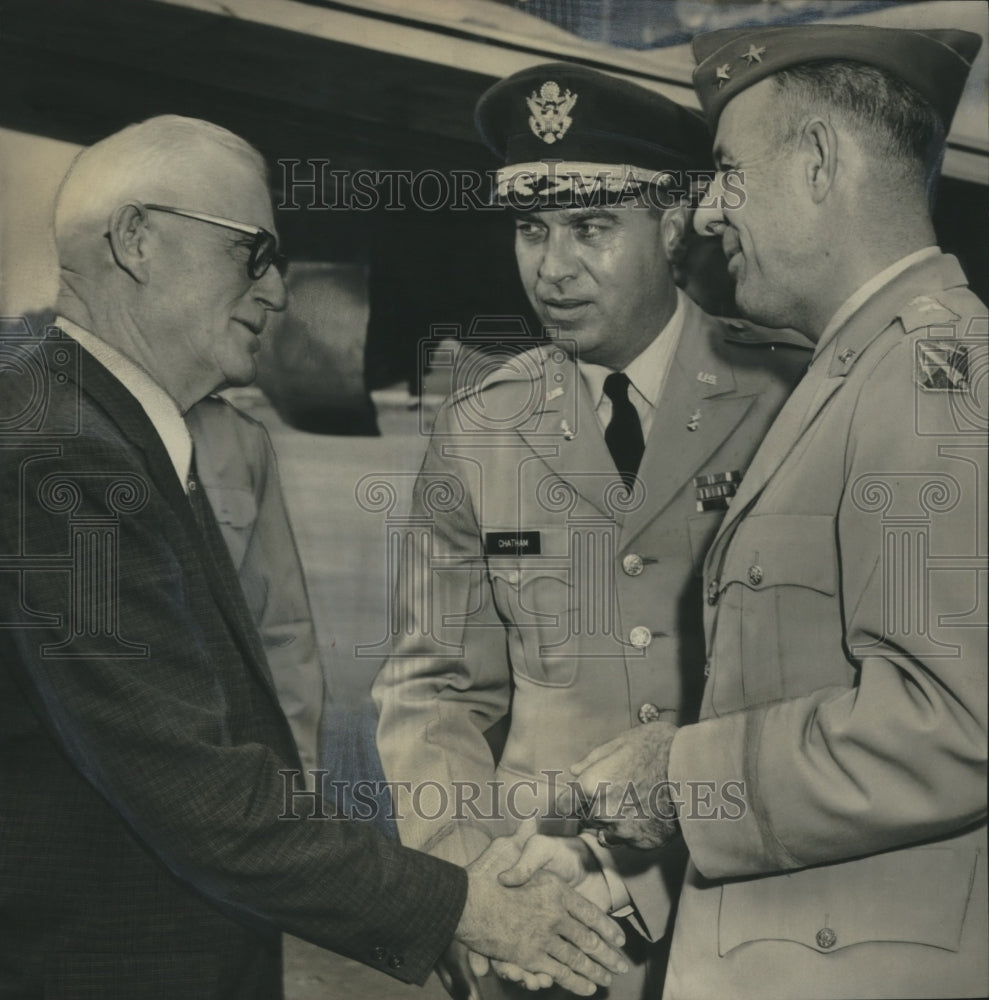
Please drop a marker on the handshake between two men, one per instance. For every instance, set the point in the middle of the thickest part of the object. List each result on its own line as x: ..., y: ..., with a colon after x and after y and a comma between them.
x: 577, y: 950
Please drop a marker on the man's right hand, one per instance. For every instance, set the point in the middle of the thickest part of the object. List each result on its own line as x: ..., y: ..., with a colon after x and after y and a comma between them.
x: 544, y: 926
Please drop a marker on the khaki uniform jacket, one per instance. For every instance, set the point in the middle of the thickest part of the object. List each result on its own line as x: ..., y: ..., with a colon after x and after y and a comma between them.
x: 540, y: 597
x: 237, y: 466
x: 846, y: 626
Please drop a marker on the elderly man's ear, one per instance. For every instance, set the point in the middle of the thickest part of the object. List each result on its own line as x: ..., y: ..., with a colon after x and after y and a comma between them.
x: 697, y: 263
x: 129, y: 240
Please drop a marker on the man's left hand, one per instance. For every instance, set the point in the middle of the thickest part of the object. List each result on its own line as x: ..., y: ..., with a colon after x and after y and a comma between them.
x: 625, y: 782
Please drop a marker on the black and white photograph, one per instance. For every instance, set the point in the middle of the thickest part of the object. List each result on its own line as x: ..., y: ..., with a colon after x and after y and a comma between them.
x: 493, y: 499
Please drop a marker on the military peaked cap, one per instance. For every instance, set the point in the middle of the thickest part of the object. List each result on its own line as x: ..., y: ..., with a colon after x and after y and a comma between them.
x: 935, y: 63
x: 565, y: 131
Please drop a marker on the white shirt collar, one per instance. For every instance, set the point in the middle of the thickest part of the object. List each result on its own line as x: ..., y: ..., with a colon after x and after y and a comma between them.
x: 162, y: 410
x: 865, y: 292
x: 647, y: 371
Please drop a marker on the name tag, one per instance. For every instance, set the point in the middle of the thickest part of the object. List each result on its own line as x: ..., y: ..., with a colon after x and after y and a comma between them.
x: 511, y: 543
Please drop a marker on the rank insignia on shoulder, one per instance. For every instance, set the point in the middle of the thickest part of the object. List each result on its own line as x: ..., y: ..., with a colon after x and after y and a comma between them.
x: 942, y: 365
x: 925, y: 310
x: 715, y: 490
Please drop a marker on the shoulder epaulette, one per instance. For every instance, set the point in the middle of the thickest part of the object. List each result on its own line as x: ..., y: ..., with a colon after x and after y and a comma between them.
x: 507, y: 372
x: 751, y: 334
x: 924, y: 311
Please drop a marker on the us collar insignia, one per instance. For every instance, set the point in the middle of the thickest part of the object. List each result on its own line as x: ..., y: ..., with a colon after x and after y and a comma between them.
x: 550, y: 110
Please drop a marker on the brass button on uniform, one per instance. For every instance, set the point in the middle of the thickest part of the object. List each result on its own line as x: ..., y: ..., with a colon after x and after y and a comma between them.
x: 648, y: 713
x: 632, y: 564
x: 712, y: 592
x: 826, y: 938
x: 640, y: 637
x: 755, y: 575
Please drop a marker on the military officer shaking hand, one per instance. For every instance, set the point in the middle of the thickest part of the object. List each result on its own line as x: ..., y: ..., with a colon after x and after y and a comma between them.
x: 571, y: 492
x: 845, y: 591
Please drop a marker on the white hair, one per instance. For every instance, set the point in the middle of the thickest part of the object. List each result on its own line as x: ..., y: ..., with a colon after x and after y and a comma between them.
x: 152, y: 160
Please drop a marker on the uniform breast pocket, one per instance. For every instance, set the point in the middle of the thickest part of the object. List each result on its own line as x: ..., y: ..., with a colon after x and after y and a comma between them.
x: 778, y: 611
x: 536, y: 601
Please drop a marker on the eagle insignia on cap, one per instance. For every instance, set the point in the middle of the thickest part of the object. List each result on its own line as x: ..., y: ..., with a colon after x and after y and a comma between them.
x: 550, y: 112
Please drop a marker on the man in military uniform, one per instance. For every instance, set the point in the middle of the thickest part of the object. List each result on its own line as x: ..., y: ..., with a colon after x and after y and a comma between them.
x: 238, y: 469
x: 570, y: 494
x: 845, y: 591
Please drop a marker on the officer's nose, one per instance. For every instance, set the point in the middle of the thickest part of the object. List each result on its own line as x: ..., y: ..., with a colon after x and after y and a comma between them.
x: 558, y: 260
x: 709, y: 219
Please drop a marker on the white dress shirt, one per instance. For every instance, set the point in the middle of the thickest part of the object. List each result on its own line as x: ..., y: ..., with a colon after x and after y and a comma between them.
x: 646, y: 374
x: 162, y: 410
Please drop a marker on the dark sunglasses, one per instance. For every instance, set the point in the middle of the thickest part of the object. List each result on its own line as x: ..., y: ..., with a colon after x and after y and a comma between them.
x: 264, y: 249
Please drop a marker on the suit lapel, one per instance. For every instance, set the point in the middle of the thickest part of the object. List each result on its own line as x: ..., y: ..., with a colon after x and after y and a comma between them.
x: 674, y: 452
x: 126, y: 412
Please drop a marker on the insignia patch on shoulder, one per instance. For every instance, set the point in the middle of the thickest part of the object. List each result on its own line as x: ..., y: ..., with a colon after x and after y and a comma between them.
x: 942, y: 365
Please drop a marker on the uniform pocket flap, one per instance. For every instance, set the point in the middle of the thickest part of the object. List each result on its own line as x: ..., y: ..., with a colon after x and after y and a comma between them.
x: 796, y: 550
x: 917, y: 896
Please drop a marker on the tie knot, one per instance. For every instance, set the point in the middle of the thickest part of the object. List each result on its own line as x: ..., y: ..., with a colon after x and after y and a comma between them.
x: 616, y: 387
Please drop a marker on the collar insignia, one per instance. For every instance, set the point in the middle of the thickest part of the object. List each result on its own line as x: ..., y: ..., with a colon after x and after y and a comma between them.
x: 723, y: 73
x: 549, y: 116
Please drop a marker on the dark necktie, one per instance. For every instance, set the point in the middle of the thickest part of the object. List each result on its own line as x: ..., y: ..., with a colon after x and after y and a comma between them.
x: 624, y: 433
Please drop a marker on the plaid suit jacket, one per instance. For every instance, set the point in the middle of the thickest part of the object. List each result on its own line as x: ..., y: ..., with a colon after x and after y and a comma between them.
x: 147, y: 846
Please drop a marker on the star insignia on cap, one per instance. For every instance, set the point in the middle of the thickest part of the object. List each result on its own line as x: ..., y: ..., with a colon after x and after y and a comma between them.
x: 754, y: 55
x: 723, y: 73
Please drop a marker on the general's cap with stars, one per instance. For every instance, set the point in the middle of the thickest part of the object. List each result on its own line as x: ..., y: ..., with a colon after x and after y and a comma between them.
x: 566, y: 132
x: 934, y: 62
